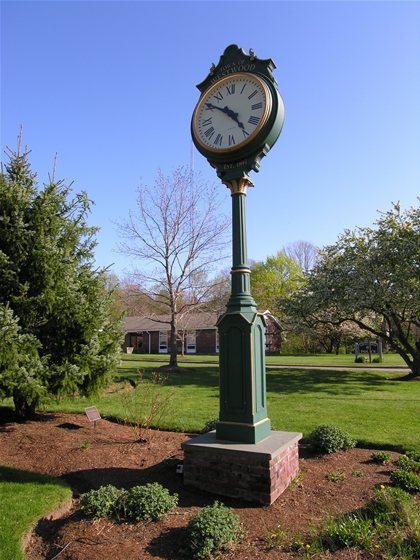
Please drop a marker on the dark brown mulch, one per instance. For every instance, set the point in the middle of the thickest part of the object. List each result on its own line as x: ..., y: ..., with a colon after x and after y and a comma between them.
x: 68, y: 446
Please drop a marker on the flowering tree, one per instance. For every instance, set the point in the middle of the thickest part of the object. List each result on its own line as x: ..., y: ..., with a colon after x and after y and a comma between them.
x: 371, y: 278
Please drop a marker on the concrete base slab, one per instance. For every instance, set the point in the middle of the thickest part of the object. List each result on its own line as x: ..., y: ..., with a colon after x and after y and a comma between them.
x: 257, y: 472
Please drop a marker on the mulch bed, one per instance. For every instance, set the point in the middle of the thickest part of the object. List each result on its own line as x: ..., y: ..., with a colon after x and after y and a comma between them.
x: 68, y: 446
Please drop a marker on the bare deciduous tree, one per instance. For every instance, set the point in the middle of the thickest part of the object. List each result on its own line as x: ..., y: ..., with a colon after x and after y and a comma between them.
x: 179, y: 234
x: 302, y: 252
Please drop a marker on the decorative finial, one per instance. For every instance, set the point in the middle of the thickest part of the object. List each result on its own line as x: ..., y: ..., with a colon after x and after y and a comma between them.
x: 251, y: 54
x: 212, y: 69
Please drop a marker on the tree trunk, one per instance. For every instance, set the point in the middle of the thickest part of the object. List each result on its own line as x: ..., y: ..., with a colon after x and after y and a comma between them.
x: 414, y: 365
x: 173, y: 358
x: 22, y: 408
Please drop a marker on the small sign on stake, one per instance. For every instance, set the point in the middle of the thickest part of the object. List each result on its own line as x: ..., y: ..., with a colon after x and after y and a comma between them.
x: 93, y: 415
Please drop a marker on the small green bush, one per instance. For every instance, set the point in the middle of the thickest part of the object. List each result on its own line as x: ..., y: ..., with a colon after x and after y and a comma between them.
x: 406, y: 480
x: 360, y: 360
x: 149, y: 502
x: 211, y: 531
x: 414, y: 455
x: 104, y: 502
x: 328, y: 438
x: 381, y: 457
x: 376, y: 360
x: 410, y: 461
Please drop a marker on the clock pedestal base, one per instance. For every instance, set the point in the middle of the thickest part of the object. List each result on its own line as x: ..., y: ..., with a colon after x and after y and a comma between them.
x: 253, y: 472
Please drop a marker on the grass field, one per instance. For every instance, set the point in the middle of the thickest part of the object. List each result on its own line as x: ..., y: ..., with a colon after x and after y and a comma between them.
x: 39, y: 494
x: 330, y: 360
x: 376, y: 411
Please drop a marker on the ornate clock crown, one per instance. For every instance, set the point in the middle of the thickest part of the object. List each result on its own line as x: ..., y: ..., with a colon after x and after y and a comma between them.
x: 233, y: 60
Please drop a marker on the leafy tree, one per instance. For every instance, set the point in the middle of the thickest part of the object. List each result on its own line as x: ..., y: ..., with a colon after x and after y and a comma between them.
x: 371, y: 278
x: 54, y: 318
x: 178, y: 234
x: 279, y: 276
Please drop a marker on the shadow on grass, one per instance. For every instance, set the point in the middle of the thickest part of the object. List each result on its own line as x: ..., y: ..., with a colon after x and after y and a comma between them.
x: 18, y: 476
x: 333, y: 382
x: 198, y: 377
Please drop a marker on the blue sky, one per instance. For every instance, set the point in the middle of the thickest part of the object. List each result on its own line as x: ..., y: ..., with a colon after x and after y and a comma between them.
x: 110, y: 86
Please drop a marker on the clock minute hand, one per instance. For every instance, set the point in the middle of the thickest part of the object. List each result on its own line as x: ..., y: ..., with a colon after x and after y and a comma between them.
x: 228, y: 112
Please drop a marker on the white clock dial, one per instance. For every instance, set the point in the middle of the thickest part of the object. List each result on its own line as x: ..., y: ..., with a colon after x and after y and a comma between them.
x: 231, y: 112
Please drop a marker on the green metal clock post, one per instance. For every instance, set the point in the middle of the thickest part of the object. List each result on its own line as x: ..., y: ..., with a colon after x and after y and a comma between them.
x: 243, y: 411
x: 236, y: 121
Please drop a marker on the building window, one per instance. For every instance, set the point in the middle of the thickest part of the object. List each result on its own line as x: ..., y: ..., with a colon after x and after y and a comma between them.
x: 191, y: 342
x: 163, y: 342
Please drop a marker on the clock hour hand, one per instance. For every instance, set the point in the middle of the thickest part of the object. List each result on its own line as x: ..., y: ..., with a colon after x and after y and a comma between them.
x: 227, y: 111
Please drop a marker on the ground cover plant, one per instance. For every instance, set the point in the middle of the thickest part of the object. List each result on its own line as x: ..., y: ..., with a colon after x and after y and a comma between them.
x: 329, y: 438
x: 139, y: 503
x: 24, y: 497
x: 211, y: 531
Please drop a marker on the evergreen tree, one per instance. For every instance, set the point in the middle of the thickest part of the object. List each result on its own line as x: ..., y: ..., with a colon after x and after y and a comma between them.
x: 54, y: 311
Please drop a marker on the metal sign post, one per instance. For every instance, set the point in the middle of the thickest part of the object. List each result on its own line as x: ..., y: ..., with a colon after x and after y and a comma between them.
x: 93, y: 415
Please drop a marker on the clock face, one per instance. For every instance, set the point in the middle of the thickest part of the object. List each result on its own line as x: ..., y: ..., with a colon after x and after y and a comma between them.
x: 231, y: 112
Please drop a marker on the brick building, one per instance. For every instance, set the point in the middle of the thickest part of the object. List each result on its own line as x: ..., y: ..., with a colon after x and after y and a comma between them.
x: 197, y: 334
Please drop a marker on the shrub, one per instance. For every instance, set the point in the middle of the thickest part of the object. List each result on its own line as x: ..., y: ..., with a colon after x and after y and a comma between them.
x: 410, y: 461
x: 406, y: 480
x: 211, y: 531
x: 146, y: 405
x: 149, y: 502
x: 377, y: 360
x: 330, y: 439
x: 360, y: 360
x: 381, y: 457
x: 104, y: 502
x: 414, y: 455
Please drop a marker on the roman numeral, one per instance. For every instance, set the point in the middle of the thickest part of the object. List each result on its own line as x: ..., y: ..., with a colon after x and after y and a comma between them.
x: 252, y: 94
x: 231, y: 140
x: 218, y: 96
x: 245, y: 133
x: 242, y: 89
x: 207, y: 122
x: 254, y: 120
x: 230, y: 90
x: 256, y: 106
x: 209, y: 133
x: 218, y: 140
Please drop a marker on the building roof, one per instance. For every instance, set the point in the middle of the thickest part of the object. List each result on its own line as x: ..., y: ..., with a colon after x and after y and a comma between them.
x: 203, y: 320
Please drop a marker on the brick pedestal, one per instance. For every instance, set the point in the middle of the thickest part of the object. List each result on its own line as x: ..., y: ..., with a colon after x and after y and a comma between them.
x: 257, y: 472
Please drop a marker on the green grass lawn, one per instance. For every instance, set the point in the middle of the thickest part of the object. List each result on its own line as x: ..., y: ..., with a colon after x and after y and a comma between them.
x: 39, y: 494
x: 330, y: 360
x: 376, y: 411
